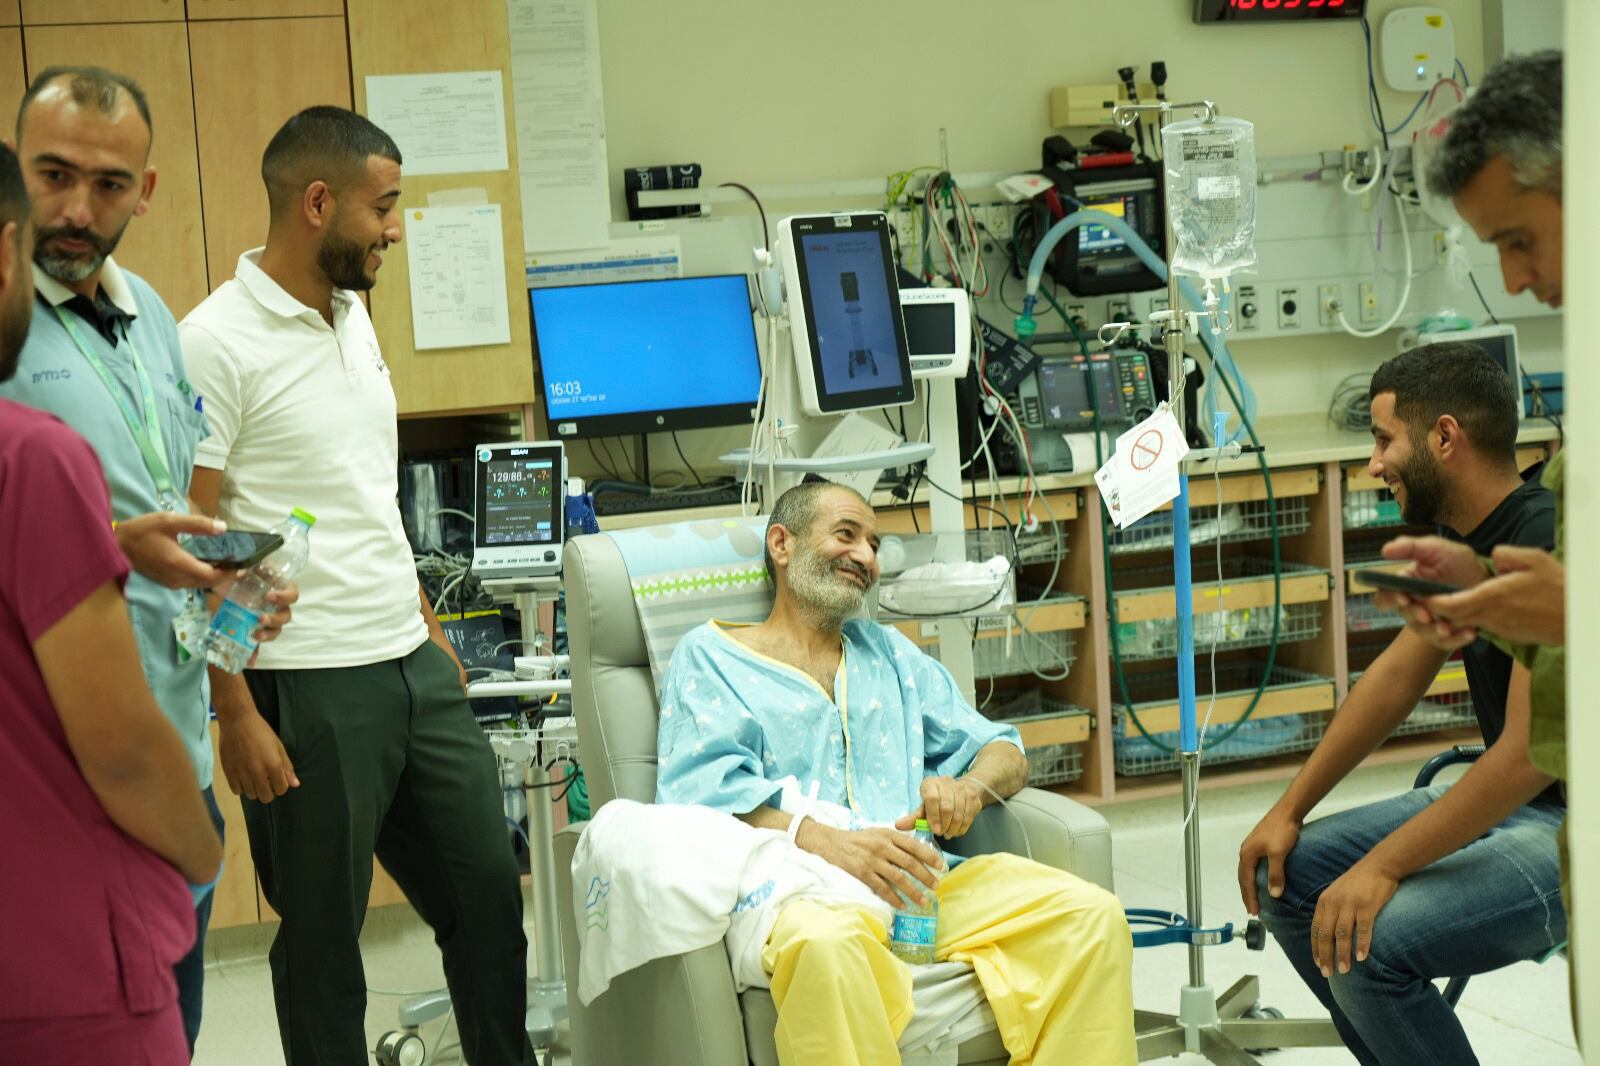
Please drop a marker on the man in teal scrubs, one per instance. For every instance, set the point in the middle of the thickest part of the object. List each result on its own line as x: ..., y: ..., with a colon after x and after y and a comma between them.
x: 103, y: 356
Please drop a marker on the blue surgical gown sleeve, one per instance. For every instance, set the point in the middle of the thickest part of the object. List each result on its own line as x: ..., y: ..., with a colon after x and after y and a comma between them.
x: 709, y: 747
x: 952, y: 731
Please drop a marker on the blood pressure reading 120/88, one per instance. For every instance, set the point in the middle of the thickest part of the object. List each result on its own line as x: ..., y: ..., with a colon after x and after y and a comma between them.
x: 519, y: 507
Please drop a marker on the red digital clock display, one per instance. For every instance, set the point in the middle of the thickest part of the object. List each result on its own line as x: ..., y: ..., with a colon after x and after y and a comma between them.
x: 1209, y: 12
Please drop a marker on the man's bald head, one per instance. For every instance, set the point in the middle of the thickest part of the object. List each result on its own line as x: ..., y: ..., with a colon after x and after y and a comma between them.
x: 95, y: 88
x: 328, y: 144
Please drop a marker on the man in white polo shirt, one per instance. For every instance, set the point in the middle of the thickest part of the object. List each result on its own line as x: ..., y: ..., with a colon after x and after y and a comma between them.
x: 352, y: 735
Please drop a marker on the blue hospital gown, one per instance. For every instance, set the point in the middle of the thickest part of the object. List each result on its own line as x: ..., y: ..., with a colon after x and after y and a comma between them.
x: 734, y: 723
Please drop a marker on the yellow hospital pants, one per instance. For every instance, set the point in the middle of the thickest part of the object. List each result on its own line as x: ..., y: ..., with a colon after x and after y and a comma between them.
x: 1052, y: 951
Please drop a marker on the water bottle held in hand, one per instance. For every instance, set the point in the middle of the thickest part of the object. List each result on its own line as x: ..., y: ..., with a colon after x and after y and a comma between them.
x: 231, y: 640
x: 916, y: 928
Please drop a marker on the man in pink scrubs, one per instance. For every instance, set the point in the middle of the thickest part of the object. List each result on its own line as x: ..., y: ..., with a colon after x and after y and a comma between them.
x: 103, y: 830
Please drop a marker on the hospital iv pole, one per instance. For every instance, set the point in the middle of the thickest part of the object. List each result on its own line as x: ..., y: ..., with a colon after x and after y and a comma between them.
x: 1218, y: 1028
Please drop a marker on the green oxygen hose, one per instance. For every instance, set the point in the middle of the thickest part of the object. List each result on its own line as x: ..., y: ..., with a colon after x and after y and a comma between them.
x: 1111, y: 599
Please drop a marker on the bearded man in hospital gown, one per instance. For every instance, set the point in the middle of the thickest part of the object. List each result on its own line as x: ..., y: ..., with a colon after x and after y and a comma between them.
x: 817, y: 695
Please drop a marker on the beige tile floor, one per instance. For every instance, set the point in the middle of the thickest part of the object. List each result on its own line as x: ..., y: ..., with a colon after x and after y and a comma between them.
x: 1517, y: 1015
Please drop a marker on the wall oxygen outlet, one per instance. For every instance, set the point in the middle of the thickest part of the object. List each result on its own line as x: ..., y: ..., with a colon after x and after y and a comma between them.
x: 1328, y: 300
x: 1369, y: 302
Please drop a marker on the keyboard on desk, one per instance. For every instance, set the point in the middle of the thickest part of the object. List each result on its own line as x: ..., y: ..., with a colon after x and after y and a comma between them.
x: 619, y: 503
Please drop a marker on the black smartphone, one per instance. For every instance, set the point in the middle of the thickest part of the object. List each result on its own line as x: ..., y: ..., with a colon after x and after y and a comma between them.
x: 237, y: 549
x: 1415, y: 586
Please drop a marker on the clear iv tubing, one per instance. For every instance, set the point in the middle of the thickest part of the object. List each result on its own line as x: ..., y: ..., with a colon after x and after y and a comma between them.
x: 1221, y: 360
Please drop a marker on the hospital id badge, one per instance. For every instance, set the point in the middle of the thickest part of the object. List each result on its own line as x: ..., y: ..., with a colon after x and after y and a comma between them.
x: 190, y: 629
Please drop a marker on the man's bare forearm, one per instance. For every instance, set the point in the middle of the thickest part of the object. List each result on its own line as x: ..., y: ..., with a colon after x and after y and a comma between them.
x: 1380, y: 701
x: 1000, y: 767
x: 229, y: 695
x: 1500, y: 782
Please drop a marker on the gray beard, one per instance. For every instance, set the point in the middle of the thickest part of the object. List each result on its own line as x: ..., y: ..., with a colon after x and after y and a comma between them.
x: 822, y: 599
x: 69, y: 271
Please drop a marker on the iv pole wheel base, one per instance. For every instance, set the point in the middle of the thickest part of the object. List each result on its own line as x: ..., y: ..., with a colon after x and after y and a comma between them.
x: 400, y: 1047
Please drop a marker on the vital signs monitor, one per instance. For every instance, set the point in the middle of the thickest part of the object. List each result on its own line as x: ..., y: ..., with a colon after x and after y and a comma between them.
x: 519, y: 493
x: 844, y: 303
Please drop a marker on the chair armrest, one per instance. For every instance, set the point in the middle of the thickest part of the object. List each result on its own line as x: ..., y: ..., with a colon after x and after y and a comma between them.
x: 1061, y: 832
x: 676, y: 1011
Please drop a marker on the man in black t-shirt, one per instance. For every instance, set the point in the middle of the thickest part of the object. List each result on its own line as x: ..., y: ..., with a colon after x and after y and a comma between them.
x: 1434, y: 883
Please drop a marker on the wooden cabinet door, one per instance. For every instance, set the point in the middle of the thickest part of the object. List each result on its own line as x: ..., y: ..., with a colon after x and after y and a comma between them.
x: 262, y: 9
x: 166, y: 246
x: 13, y: 75
x: 69, y: 12
x: 414, y: 38
x: 250, y: 76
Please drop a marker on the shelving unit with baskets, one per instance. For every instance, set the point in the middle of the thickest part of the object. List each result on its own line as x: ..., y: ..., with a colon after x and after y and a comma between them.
x: 1053, y: 733
x: 1291, y: 715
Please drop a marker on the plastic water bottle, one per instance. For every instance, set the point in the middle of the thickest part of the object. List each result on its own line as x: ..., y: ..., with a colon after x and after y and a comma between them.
x: 916, y: 928
x: 231, y: 640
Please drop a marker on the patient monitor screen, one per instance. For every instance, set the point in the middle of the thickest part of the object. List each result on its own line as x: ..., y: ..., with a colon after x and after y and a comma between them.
x: 853, y: 312
x: 1064, y: 393
x: 930, y: 328
x: 517, y: 498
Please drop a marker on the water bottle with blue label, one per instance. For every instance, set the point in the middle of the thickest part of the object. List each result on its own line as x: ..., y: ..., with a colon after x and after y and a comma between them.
x: 915, y: 929
x: 231, y: 640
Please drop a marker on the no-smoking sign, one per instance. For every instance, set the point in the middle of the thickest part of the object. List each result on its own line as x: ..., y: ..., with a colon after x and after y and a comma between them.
x: 1146, y: 450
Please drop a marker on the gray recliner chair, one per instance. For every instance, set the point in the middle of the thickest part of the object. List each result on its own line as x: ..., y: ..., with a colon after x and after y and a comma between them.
x: 683, y: 1011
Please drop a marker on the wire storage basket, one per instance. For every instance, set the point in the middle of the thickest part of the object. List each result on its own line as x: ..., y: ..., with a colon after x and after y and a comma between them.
x: 1232, y: 628
x: 1258, y: 738
x: 1371, y: 509
x: 1054, y: 652
x: 1048, y: 764
x: 1247, y: 627
x: 1047, y: 544
x: 923, y: 584
x: 1235, y: 523
x: 1363, y: 615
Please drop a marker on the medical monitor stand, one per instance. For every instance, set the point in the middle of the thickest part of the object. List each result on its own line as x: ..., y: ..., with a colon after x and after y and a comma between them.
x: 547, y: 988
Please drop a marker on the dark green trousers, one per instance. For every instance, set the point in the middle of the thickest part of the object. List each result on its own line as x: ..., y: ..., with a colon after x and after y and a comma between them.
x: 390, y: 763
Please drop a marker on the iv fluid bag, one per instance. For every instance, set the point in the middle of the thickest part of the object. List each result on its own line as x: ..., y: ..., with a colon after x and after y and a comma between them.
x: 1211, y: 195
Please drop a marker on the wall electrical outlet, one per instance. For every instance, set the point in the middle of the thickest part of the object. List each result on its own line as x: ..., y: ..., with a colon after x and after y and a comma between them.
x: 1079, y: 314
x: 1119, y: 311
x: 1329, y: 298
x: 1288, y: 308
x: 1369, y: 302
x: 905, y: 229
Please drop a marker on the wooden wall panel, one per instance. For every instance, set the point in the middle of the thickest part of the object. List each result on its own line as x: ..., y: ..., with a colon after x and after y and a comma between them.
x: 167, y: 245
x: 415, y: 38
x: 70, y: 12
x: 13, y: 77
x: 10, y: 12
x: 249, y: 77
x: 262, y: 9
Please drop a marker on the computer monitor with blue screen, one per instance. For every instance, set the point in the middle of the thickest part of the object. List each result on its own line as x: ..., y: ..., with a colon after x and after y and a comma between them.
x: 636, y: 357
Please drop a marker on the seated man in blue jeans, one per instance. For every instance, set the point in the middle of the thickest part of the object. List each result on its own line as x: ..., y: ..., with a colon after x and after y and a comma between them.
x: 1373, y: 904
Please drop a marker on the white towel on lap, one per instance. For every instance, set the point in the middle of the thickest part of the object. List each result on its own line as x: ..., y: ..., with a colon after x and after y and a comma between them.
x: 656, y: 880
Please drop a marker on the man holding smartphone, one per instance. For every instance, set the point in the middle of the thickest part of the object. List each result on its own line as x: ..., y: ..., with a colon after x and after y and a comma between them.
x: 352, y: 736
x: 1374, y: 903
x: 103, y: 356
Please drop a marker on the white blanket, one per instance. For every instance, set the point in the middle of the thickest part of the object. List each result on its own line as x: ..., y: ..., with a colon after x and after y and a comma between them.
x: 655, y: 880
